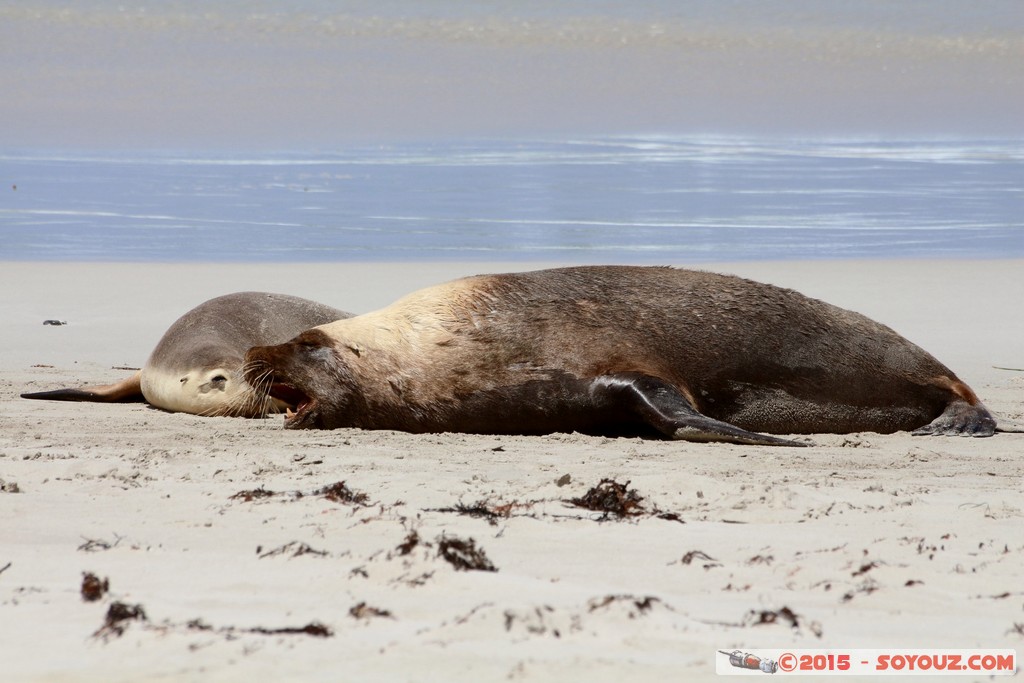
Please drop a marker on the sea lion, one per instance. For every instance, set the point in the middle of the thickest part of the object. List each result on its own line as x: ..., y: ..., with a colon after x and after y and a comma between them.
x: 615, y: 349
x: 196, y: 366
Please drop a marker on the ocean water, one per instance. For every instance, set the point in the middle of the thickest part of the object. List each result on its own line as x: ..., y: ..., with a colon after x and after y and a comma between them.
x: 623, y: 199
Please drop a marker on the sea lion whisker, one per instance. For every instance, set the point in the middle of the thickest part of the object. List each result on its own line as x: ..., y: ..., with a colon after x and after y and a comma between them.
x: 260, y: 395
x: 246, y: 402
x: 259, y: 376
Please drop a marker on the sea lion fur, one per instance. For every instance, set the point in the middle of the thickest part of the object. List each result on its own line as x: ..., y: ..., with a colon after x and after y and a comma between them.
x: 615, y: 349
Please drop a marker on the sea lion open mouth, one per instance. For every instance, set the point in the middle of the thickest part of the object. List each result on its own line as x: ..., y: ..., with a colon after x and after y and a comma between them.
x: 299, y: 404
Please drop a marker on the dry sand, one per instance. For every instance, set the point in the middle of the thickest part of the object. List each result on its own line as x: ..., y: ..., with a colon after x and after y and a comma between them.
x: 867, y: 540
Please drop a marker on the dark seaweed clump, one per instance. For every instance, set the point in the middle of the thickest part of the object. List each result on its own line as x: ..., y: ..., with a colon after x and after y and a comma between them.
x: 611, y: 498
x: 464, y: 555
x: 115, y: 623
x: 93, y: 588
x: 340, y: 493
x: 252, y: 494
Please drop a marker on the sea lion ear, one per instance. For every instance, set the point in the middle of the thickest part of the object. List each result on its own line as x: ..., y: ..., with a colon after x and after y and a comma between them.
x: 355, y: 348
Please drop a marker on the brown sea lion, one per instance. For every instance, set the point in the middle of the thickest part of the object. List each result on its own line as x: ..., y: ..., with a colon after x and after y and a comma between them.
x: 196, y: 366
x: 615, y: 349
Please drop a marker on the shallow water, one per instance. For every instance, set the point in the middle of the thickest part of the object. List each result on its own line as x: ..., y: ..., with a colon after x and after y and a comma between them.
x: 613, y: 199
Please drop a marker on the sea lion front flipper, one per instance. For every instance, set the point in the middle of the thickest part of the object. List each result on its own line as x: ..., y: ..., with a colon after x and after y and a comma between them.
x: 125, y: 391
x: 664, y: 408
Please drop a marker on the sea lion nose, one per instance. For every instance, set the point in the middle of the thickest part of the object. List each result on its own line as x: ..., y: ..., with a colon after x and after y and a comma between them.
x: 256, y: 354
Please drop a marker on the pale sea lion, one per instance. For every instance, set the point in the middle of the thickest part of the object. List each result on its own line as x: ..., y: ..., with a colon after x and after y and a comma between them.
x: 196, y: 366
x: 615, y: 349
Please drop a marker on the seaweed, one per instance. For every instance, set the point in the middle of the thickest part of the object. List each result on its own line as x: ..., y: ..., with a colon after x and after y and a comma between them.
x: 483, y: 510
x: 411, y: 541
x: 114, y: 624
x: 338, y: 492
x: 642, y: 605
x: 610, y: 497
x: 782, y: 616
x: 364, y: 611
x: 296, y: 549
x: 250, y: 495
x: 779, y: 616
x: 93, y: 545
x: 464, y: 555
x: 692, y: 555
x: 313, y: 628
x: 93, y: 588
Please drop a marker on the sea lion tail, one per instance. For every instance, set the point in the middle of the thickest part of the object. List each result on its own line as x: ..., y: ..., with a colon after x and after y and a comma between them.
x: 125, y: 391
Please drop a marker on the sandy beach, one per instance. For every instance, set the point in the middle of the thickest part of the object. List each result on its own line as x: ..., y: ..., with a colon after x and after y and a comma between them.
x: 236, y: 555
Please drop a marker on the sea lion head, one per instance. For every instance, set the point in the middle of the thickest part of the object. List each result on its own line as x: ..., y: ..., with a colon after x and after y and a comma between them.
x: 219, y: 388
x: 212, y: 385
x: 309, y: 376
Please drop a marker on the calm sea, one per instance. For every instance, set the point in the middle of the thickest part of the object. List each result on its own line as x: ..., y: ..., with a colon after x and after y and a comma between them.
x: 616, y: 199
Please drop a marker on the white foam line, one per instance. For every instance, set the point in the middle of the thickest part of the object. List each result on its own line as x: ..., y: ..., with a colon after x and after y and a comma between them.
x: 631, y: 149
x: 154, y: 217
x: 784, y: 223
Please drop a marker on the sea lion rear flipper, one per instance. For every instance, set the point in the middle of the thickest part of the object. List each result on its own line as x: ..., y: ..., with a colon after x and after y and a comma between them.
x: 127, y: 390
x: 960, y: 419
x: 663, y: 407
